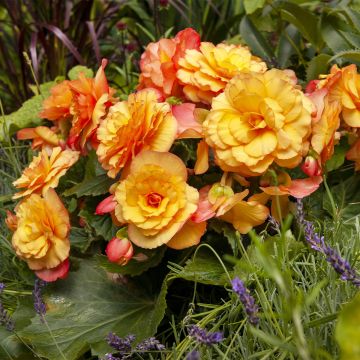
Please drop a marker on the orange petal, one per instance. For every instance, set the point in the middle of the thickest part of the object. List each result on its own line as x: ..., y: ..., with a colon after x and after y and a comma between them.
x: 189, y: 235
x: 279, y: 206
x: 202, y: 158
x: 187, y: 127
x: 303, y: 187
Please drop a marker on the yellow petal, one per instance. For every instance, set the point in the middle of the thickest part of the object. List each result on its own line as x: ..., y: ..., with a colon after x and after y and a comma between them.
x: 189, y: 235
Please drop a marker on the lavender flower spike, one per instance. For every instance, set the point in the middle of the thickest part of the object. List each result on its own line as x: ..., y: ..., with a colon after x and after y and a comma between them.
x: 339, y: 264
x: 204, y: 337
x: 150, y: 344
x: 5, y: 318
x: 247, y: 300
x: 193, y: 355
x: 122, y: 345
x: 39, y: 304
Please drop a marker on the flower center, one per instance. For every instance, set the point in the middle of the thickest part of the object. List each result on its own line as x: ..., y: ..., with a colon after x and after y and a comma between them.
x: 154, y: 199
x: 255, y: 120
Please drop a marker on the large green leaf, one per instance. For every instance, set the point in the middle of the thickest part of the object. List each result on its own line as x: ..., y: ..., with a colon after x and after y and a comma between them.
x: 303, y: 19
x: 317, y: 65
x: 204, y: 268
x: 83, y: 309
x: 102, y: 224
x: 347, y: 331
x: 288, y: 45
x: 98, y: 185
x: 12, y: 348
x: 338, y: 157
x: 27, y: 115
x: 252, y: 5
x: 254, y: 39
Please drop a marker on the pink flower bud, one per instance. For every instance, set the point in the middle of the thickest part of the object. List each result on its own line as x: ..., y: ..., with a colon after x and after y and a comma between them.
x: 119, y: 251
x: 311, y: 167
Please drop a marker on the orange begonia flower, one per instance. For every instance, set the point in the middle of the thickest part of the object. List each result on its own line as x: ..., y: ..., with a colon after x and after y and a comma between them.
x: 57, y: 105
x: 45, y: 171
x: 140, y: 123
x: 42, y: 136
x: 220, y: 201
x: 41, y: 235
x: 159, y: 62
x: 91, y: 98
x: 205, y: 72
x: 157, y: 203
x: 258, y: 120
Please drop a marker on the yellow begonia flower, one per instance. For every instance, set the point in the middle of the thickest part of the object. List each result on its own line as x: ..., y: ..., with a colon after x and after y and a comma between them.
x: 44, y: 172
x: 42, y: 229
x: 258, y: 120
x: 206, y: 72
x: 140, y: 123
x: 157, y: 203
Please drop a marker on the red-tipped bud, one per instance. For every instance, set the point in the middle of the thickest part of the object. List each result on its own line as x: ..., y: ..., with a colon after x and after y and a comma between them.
x: 119, y: 251
x: 106, y: 206
x: 311, y: 167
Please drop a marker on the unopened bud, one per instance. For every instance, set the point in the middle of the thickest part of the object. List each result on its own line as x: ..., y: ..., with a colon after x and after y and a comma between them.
x: 119, y: 251
x: 311, y: 167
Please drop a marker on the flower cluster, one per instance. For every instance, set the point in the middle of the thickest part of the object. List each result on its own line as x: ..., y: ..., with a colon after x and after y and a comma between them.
x: 250, y: 125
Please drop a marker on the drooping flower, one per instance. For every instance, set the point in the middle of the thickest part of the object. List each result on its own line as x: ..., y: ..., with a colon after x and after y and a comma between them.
x: 119, y: 251
x: 91, y: 98
x: 42, y: 137
x: 159, y: 62
x: 258, y: 120
x: 157, y: 203
x: 205, y: 72
x: 220, y: 201
x: 140, y: 123
x: 41, y: 236
x: 205, y: 337
x: 247, y: 300
x: 279, y: 194
x: 45, y: 171
x: 57, y: 106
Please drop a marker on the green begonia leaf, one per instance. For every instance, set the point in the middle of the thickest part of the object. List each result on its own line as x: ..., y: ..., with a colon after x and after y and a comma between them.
x: 85, y: 307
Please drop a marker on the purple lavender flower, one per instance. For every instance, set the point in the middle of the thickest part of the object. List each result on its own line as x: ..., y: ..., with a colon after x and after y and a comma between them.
x: 339, y: 264
x: 149, y: 344
x: 39, y: 304
x: 274, y: 224
x: 204, y: 337
x: 247, y: 300
x: 193, y: 355
x: 5, y: 318
x: 122, y: 345
x: 111, y: 357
